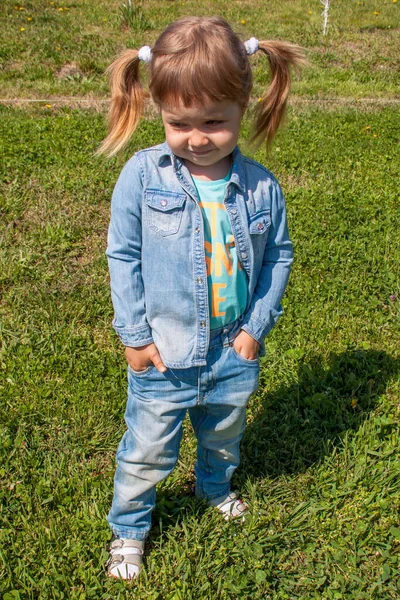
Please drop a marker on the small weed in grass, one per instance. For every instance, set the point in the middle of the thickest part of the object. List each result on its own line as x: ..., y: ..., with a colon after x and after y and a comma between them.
x: 133, y: 16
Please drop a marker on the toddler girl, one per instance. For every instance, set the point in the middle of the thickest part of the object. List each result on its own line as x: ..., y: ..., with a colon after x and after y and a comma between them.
x: 199, y: 257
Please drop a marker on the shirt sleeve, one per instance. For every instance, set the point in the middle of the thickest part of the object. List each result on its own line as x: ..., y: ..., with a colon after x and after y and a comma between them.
x: 265, y: 308
x: 124, y: 254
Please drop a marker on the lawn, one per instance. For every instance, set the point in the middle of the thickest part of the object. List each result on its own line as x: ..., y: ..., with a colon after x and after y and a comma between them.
x: 320, y: 456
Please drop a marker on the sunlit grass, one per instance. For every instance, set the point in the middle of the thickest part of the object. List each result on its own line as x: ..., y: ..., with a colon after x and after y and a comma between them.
x: 320, y: 460
x: 358, y: 56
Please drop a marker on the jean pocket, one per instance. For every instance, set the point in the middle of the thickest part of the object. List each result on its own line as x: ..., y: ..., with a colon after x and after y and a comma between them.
x: 142, y: 372
x: 254, y: 362
x: 164, y: 211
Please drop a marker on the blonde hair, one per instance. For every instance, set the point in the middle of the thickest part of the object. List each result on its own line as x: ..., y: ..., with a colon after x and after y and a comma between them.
x: 197, y: 59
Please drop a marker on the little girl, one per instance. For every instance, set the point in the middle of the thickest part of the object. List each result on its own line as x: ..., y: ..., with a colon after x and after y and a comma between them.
x: 199, y: 257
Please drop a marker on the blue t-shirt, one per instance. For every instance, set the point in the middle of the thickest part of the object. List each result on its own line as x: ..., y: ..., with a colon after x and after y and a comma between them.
x: 226, y: 278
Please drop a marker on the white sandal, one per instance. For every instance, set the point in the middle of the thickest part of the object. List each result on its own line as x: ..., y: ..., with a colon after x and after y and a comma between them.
x: 126, y: 558
x: 232, y: 507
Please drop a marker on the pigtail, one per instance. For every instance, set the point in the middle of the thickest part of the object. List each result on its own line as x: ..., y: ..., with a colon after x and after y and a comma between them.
x: 127, y: 100
x: 270, y: 109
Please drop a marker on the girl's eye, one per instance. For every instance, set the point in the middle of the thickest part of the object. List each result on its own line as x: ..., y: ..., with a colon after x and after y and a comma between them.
x: 178, y: 125
x: 214, y: 123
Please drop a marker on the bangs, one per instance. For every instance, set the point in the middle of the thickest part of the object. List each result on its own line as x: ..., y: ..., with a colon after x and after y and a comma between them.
x: 181, y: 79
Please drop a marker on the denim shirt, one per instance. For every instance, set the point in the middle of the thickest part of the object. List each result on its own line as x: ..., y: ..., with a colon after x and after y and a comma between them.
x: 157, y: 261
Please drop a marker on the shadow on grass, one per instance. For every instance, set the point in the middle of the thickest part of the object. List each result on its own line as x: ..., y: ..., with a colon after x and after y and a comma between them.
x: 299, y: 424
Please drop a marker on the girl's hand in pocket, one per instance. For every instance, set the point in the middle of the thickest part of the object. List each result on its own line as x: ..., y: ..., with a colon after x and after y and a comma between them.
x: 141, y: 358
x: 246, y: 346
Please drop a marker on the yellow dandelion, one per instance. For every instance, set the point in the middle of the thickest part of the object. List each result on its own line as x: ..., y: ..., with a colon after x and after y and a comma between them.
x: 354, y: 403
x: 16, y: 7
x: 374, y: 135
x: 51, y: 2
x: 394, y: 1
x: 243, y: 22
x: 310, y: 12
x: 22, y: 29
x: 47, y: 105
x: 21, y: 8
x: 60, y: 9
x: 376, y: 12
x: 58, y: 48
x: 259, y: 100
x: 104, y: 19
x: 29, y: 18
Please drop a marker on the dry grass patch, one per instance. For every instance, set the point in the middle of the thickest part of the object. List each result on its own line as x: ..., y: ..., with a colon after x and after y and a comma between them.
x: 69, y: 70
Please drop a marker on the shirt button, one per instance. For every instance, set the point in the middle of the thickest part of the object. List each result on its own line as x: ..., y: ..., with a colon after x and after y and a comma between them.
x: 234, y: 211
x: 197, y: 230
x: 199, y: 280
x: 202, y: 323
x: 164, y: 202
x: 244, y: 255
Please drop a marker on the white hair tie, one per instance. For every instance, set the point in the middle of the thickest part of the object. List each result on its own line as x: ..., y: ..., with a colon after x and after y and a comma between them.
x: 145, y: 54
x: 251, y: 45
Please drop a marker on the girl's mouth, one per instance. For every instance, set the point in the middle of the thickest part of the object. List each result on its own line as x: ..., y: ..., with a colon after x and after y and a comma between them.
x: 200, y: 152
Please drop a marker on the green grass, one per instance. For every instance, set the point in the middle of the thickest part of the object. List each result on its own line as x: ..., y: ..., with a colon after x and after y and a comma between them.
x: 320, y: 456
x: 65, y: 47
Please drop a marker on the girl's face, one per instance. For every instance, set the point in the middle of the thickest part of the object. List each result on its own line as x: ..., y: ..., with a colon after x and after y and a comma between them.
x: 203, y: 136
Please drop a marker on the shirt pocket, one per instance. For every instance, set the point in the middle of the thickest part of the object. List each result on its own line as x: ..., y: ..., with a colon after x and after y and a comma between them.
x: 164, y: 211
x: 260, y: 222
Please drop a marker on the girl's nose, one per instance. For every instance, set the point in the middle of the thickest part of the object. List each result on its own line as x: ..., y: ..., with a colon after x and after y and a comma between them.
x: 197, y: 139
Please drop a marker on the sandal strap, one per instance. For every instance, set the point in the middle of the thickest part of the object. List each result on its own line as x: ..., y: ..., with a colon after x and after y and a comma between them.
x: 122, y: 559
x: 228, y: 501
x: 232, y: 506
x: 127, y: 544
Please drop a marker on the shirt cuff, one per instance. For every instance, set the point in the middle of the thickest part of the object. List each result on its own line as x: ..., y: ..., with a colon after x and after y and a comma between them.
x: 134, y: 337
x: 259, y: 329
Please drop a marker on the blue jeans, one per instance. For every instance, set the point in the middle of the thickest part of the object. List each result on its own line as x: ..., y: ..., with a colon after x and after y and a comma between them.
x: 216, y: 396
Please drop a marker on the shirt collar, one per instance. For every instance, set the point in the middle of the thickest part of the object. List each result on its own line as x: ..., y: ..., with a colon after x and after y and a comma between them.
x: 237, y: 175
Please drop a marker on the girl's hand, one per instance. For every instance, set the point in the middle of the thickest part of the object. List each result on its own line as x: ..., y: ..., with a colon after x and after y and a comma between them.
x: 140, y: 358
x: 246, y: 346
